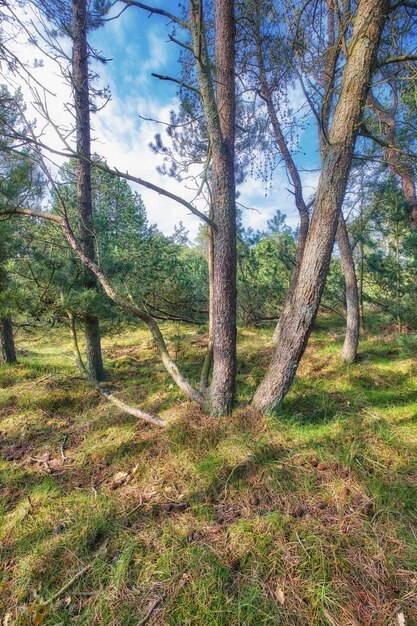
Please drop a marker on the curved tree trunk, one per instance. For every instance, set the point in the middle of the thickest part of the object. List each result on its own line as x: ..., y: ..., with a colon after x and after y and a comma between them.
x: 7, y: 349
x: 350, y: 346
x: 301, y: 307
x: 80, y: 79
x: 266, y: 94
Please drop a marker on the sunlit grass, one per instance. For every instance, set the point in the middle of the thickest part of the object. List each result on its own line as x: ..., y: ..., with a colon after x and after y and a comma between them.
x: 306, y: 517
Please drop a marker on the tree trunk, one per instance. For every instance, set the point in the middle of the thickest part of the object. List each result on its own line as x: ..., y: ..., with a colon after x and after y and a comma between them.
x: 222, y: 389
x: 350, y: 346
x: 7, y: 349
x: 80, y: 78
x: 266, y: 94
x: 219, y: 110
x: 361, y: 268
x: 93, y: 347
x: 208, y: 361
x: 301, y: 307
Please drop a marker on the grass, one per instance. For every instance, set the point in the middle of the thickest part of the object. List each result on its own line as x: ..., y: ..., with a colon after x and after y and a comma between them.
x: 305, y: 518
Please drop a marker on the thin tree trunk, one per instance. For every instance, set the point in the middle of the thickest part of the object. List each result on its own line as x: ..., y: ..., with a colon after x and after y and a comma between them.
x: 361, y: 272
x: 361, y: 268
x: 208, y: 361
x: 222, y: 389
x: 219, y: 110
x: 350, y: 346
x: 398, y: 274
x: 289, y: 162
x: 301, y: 307
x: 266, y: 95
x: 7, y: 349
x: 80, y: 78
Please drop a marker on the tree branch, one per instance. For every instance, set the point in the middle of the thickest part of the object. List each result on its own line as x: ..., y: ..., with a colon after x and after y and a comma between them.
x: 115, y: 172
x: 178, y: 82
x: 180, y: 43
x: 130, y: 410
x: 156, y: 11
x: 400, y: 59
x: 134, y: 310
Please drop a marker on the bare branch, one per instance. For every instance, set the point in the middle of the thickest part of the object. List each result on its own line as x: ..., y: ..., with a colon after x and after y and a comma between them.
x: 103, y: 391
x: 177, y: 81
x: 400, y: 59
x: 156, y: 11
x: 180, y: 43
x: 115, y: 172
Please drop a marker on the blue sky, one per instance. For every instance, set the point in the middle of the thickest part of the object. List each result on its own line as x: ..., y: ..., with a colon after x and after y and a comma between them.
x: 138, y: 45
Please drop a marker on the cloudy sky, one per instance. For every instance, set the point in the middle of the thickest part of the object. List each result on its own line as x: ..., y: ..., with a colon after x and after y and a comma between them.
x: 138, y: 45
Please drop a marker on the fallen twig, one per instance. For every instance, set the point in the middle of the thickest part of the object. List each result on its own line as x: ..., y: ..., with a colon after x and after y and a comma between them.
x: 67, y: 585
x: 151, y: 609
x: 64, y: 440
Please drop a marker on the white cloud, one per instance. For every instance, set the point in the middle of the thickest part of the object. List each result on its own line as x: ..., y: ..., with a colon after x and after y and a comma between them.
x: 123, y: 139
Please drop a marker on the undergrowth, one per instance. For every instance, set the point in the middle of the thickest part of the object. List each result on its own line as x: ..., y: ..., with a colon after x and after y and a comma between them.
x: 305, y: 518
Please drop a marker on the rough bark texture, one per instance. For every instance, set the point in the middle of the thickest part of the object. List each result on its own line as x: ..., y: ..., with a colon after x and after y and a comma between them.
x: 350, y: 346
x: 398, y: 163
x: 219, y: 109
x: 222, y: 388
x: 7, y: 349
x: 80, y: 78
x: 301, y: 307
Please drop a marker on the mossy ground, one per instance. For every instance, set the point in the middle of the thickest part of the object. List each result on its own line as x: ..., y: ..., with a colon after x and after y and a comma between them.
x: 305, y: 518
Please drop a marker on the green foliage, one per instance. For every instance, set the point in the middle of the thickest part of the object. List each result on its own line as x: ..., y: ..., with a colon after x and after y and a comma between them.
x: 265, y: 264
x: 20, y: 184
x: 163, y: 274
x: 391, y: 257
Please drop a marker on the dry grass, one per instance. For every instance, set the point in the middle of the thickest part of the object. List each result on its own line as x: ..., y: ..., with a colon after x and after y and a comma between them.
x: 306, y: 518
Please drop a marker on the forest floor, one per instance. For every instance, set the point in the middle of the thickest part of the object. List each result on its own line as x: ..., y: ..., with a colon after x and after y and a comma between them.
x: 305, y: 518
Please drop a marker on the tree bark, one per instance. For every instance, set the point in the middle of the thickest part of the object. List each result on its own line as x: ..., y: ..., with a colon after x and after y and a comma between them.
x: 7, y: 348
x: 301, y: 307
x: 80, y: 78
x: 219, y: 109
x: 222, y: 389
x: 350, y: 346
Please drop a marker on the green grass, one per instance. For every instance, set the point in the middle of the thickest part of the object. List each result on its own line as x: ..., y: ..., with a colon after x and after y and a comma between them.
x: 308, y: 517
